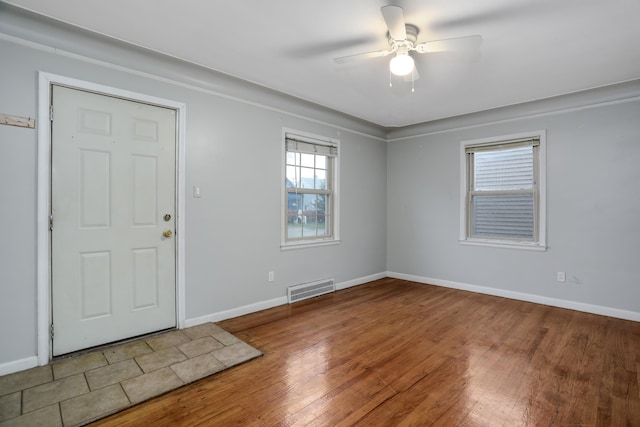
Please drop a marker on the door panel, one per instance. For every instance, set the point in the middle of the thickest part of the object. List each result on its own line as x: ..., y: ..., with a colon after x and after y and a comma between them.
x: 113, y: 180
x: 94, y: 198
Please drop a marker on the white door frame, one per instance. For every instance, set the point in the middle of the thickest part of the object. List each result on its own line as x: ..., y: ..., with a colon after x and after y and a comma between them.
x: 43, y: 255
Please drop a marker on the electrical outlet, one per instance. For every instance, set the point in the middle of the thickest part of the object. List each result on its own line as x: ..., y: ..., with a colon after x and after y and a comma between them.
x: 562, y: 276
x: 271, y: 276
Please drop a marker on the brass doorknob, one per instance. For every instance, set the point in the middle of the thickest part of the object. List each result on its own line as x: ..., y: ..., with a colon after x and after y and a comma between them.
x: 167, y: 233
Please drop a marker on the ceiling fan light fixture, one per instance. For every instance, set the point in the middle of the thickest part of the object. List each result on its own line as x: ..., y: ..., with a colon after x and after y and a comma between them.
x: 401, y: 64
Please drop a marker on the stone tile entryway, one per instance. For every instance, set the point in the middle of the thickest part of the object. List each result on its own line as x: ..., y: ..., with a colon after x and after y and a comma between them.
x: 83, y: 388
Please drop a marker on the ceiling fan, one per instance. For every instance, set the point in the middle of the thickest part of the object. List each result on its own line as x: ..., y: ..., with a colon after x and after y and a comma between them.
x: 402, y: 40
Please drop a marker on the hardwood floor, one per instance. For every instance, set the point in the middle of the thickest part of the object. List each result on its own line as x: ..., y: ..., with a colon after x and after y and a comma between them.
x: 398, y: 353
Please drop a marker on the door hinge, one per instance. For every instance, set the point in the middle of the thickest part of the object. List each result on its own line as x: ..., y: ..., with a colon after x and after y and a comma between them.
x: 51, y: 112
x: 51, y: 222
x: 51, y: 332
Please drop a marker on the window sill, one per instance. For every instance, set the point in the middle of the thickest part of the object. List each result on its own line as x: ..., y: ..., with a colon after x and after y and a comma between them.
x: 504, y: 244
x: 303, y: 245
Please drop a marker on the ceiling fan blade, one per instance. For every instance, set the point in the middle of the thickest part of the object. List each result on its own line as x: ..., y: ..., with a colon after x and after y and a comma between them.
x: 309, y: 50
x: 394, y: 17
x: 359, y: 56
x: 457, y: 44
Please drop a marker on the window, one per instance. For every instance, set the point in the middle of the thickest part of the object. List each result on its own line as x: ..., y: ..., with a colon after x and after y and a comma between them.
x: 503, y: 194
x: 310, y: 196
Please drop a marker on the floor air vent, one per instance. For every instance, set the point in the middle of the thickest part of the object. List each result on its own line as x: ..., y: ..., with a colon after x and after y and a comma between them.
x: 309, y: 290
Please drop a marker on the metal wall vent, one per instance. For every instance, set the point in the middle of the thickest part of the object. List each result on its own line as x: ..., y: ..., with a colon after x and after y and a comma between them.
x: 309, y: 290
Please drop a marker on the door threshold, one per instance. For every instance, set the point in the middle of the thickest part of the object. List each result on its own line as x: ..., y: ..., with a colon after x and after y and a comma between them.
x: 109, y: 345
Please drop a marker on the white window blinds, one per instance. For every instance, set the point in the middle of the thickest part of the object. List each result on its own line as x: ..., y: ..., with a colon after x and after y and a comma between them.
x: 300, y: 144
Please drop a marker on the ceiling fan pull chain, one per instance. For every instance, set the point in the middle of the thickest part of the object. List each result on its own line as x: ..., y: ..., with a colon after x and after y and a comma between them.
x: 413, y: 75
x: 390, y: 84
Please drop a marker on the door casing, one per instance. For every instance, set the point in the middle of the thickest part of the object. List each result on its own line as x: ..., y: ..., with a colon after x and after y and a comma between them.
x: 43, y: 255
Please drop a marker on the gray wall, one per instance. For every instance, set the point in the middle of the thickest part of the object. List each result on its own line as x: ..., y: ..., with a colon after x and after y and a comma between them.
x: 233, y: 152
x: 593, y: 204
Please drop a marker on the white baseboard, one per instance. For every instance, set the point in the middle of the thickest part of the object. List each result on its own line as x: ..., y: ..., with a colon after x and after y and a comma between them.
x: 538, y: 299
x: 235, y: 312
x: 31, y: 362
x: 263, y: 305
x: 18, y: 365
x: 360, y: 281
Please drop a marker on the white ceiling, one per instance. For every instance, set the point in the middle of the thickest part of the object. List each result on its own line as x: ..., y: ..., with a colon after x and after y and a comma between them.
x: 532, y: 49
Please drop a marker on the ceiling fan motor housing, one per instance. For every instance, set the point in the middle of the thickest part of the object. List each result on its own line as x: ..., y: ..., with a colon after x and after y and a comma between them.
x: 412, y: 36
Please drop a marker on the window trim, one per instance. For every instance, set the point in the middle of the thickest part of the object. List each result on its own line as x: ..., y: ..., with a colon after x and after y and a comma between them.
x: 539, y: 192
x: 333, y: 178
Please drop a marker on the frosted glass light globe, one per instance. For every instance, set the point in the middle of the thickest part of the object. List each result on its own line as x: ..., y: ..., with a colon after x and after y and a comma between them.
x: 401, y: 64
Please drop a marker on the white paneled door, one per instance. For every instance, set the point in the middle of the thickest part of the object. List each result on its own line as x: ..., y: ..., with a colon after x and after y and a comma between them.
x: 113, y: 214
